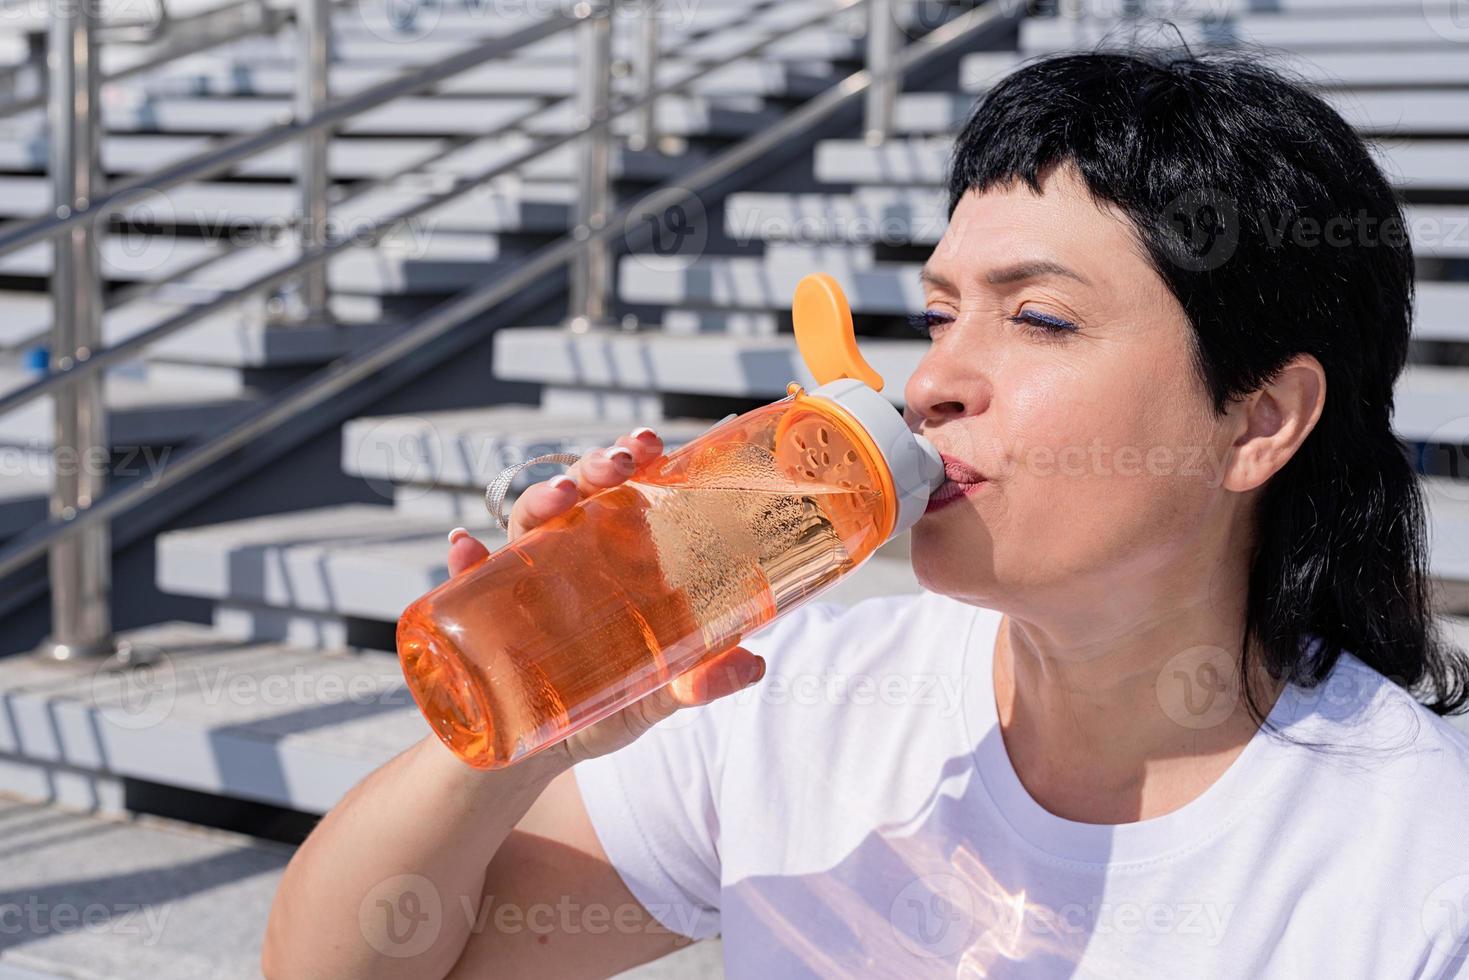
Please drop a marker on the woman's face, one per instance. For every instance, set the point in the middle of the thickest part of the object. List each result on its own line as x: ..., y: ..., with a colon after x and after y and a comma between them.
x: 1061, y: 368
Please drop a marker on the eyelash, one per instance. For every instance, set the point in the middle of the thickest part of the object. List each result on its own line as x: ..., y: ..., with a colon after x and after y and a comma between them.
x: 1042, y: 323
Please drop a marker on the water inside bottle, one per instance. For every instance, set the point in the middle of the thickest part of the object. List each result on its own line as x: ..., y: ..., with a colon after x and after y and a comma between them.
x: 560, y: 628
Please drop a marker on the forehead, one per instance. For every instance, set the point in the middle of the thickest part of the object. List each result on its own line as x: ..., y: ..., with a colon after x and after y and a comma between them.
x: 1061, y: 225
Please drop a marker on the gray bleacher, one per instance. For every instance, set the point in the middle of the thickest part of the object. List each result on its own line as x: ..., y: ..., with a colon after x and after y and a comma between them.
x: 311, y: 592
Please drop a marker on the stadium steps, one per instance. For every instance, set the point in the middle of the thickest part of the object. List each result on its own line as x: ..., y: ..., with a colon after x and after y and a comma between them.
x: 293, y: 593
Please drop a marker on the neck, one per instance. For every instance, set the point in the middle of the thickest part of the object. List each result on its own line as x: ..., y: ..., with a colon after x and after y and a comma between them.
x: 1114, y: 718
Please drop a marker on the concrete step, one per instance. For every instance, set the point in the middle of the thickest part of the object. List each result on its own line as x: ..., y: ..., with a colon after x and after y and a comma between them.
x: 347, y: 158
x: 760, y: 283
x: 1432, y: 402
x: 417, y: 259
x: 704, y: 364
x: 292, y: 727
x: 140, y: 257
x: 114, y: 896
x: 1396, y: 113
x: 1410, y: 164
x: 465, y: 449
x: 1396, y: 26
x: 1326, y: 68
x: 357, y: 560
x: 546, y: 79
x: 235, y: 337
x: 141, y: 413
x: 918, y: 216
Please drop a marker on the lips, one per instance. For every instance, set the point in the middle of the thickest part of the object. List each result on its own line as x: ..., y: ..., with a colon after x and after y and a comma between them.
x: 958, y: 471
x: 960, y: 480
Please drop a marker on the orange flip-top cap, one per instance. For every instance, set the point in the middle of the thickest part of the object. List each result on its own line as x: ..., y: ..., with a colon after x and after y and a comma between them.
x: 824, y: 333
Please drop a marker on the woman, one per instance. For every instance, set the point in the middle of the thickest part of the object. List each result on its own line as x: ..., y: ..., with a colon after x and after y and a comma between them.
x: 1152, y: 716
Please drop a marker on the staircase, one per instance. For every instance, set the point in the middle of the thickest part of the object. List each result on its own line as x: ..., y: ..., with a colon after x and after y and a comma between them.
x: 290, y: 692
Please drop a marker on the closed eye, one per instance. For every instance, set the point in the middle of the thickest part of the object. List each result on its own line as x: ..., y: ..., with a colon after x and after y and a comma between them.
x: 925, y: 322
x: 1043, y: 322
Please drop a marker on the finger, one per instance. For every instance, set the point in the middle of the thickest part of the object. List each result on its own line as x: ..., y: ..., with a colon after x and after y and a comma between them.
x: 730, y: 671
x: 644, y: 443
x: 602, y: 468
x: 542, y: 501
x: 465, y: 551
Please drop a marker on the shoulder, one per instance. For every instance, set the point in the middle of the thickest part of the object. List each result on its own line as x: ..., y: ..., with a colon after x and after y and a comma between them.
x: 1373, y: 741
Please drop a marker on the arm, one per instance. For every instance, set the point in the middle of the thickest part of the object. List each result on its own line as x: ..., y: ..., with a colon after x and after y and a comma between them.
x: 427, y: 862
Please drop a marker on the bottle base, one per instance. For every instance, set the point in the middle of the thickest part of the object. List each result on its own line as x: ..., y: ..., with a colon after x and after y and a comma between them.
x: 446, y: 693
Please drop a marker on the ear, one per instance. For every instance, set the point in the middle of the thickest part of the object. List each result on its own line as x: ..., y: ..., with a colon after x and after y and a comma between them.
x: 1271, y: 423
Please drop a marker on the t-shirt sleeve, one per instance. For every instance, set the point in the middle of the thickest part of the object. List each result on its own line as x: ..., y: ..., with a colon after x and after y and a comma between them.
x: 655, y: 803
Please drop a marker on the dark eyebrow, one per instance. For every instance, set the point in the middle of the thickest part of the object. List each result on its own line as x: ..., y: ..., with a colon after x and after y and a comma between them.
x: 1010, y: 274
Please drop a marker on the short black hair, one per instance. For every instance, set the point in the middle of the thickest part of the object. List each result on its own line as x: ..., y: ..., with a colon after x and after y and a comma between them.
x: 1275, y: 229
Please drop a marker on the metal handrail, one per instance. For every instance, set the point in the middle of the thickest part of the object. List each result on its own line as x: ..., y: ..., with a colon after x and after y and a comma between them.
x: 451, y: 313
x: 210, y: 162
x: 267, y: 21
x: 132, y: 346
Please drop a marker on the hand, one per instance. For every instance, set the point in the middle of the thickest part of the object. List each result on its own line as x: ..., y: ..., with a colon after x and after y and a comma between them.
x: 716, y: 677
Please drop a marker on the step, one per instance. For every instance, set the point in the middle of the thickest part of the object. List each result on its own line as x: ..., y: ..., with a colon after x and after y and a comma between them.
x: 116, y: 896
x: 1345, y: 68
x: 1432, y: 402
x: 918, y: 216
x: 292, y: 727
x: 140, y: 413
x: 1397, y: 27
x: 235, y: 337
x: 675, y: 115
x: 413, y: 116
x: 563, y: 163
x: 546, y: 79
x: 704, y: 364
x: 755, y: 283
x: 355, y: 560
x: 25, y: 484
x: 139, y: 257
x: 347, y: 158
x: 468, y: 447
x: 1409, y: 164
x: 1392, y: 112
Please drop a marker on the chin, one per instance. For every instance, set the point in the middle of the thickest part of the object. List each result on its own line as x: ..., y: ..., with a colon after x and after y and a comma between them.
x: 950, y: 563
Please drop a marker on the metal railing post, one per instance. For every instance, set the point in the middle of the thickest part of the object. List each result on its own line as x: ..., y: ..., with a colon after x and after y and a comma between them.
x: 645, y: 123
x: 882, y: 51
x: 591, y: 273
x: 306, y: 299
x: 81, y: 566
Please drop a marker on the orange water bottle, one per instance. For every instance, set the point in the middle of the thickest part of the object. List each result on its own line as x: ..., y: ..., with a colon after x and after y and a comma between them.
x: 701, y: 547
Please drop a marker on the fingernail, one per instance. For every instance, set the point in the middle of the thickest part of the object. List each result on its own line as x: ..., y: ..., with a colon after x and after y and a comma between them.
x: 561, y: 482
x: 755, y: 672
x: 620, y: 452
x: 645, y: 433
x: 458, y: 533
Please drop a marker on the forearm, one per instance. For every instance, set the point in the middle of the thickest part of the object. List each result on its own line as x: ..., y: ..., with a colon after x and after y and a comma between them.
x: 387, y: 884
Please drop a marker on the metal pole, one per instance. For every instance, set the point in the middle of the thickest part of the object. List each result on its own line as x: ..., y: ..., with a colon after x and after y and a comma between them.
x: 882, y: 50
x: 645, y: 124
x: 313, y: 38
x: 591, y: 273
x: 80, y: 566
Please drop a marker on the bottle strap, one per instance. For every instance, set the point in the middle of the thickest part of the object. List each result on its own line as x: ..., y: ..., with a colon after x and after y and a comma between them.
x: 500, y: 485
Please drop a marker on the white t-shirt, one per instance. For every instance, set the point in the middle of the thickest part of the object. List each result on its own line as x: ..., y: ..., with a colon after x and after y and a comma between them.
x: 856, y: 814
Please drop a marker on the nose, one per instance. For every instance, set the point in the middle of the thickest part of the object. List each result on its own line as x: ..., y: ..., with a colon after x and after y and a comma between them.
x: 940, y: 390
